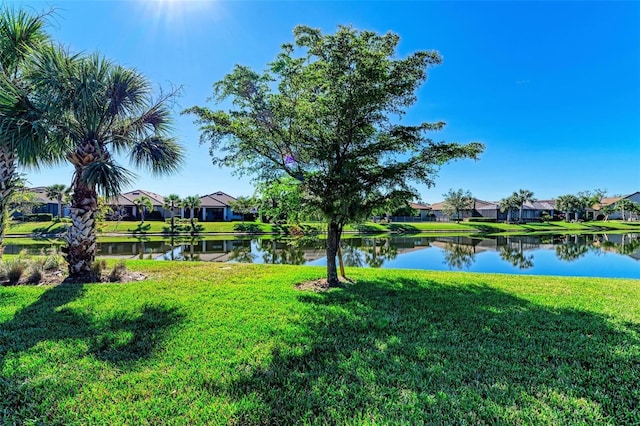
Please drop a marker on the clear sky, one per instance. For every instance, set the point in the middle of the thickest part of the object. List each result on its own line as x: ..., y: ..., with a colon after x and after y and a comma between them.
x: 551, y: 88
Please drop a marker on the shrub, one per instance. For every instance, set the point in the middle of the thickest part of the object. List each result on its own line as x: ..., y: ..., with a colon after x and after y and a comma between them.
x: 52, y: 262
x: 36, y: 217
x: 35, y: 273
x: 118, y: 272
x: 14, y: 270
x: 154, y: 215
x: 96, y: 269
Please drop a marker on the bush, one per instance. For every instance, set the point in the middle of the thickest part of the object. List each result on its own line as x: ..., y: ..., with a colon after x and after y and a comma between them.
x: 118, y: 272
x: 154, y: 215
x: 96, y: 269
x: 36, y: 217
x: 52, y: 262
x: 14, y: 269
x: 35, y: 273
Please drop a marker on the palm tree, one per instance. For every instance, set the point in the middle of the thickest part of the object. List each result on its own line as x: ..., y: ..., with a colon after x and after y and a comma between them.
x: 509, y: 204
x: 143, y: 203
x: 172, y: 201
x: 58, y: 192
x: 192, y: 202
x: 99, y: 108
x: 21, y: 34
x: 243, y: 205
x: 523, y: 196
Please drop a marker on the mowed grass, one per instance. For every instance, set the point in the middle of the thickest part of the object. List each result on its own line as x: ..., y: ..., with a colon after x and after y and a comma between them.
x: 201, y: 343
x: 159, y: 227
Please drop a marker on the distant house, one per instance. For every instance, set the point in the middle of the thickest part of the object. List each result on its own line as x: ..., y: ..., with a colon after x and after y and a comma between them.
x: 612, y: 201
x: 46, y: 204
x: 126, y: 204
x: 217, y: 207
x: 491, y: 209
x: 480, y: 208
x: 213, y: 207
x: 423, y: 211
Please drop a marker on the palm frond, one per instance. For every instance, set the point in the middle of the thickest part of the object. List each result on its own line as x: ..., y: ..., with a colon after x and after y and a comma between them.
x: 158, y: 155
x: 126, y: 90
x: 107, y: 177
x: 20, y: 34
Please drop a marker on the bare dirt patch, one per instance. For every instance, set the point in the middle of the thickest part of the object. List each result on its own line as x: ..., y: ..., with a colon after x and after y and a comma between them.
x: 321, y: 285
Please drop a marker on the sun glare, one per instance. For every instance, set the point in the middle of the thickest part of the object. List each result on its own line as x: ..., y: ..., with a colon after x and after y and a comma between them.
x: 175, y: 13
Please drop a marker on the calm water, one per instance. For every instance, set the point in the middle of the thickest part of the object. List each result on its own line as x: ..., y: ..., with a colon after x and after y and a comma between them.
x: 577, y: 255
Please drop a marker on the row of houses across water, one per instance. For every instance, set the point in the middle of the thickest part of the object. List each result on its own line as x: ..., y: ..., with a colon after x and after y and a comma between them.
x: 213, y: 207
x: 531, y: 211
x: 217, y: 206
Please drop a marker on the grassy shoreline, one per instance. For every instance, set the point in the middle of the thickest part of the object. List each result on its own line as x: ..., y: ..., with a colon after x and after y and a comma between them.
x: 212, y: 228
x: 208, y: 343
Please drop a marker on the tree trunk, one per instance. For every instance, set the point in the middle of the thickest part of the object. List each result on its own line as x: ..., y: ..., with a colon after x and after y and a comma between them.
x: 7, y: 188
x: 59, y: 208
x: 334, y: 233
x: 81, y: 238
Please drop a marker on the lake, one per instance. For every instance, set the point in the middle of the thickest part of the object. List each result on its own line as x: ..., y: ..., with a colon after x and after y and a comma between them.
x: 593, y: 255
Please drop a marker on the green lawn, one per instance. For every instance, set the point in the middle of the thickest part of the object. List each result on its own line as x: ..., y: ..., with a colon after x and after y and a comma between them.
x: 201, y: 343
x: 154, y: 227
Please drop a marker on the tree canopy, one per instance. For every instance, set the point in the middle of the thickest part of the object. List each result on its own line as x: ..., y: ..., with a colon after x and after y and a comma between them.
x: 326, y: 112
x: 456, y: 201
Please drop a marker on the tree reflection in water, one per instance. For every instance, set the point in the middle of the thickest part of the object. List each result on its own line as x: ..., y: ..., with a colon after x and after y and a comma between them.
x: 281, y: 251
x: 379, y: 251
x: 242, y: 254
x: 516, y: 257
x: 459, y: 256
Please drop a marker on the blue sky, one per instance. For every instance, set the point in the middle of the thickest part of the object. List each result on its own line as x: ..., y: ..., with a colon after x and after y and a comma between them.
x: 551, y: 88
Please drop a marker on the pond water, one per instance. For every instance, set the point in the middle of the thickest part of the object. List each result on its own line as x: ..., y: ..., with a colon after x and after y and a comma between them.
x: 601, y: 255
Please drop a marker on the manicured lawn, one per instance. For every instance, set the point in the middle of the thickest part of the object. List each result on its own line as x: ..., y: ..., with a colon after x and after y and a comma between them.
x: 155, y: 227
x: 201, y: 343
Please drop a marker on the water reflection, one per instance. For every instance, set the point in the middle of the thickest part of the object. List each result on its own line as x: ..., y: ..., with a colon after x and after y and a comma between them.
x: 618, y: 253
x: 459, y: 256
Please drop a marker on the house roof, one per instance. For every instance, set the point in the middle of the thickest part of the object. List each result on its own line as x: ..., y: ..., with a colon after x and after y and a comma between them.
x: 127, y: 199
x: 417, y: 206
x: 41, y: 195
x: 479, y: 205
x: 209, y: 201
x: 226, y: 199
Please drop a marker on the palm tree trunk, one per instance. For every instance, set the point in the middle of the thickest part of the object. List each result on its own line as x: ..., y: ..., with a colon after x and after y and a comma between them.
x: 81, y: 238
x: 7, y: 188
x: 59, y: 208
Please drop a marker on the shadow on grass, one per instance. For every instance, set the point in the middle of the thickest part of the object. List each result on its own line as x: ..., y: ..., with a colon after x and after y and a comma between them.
x: 249, y: 228
x: 123, y: 340
x: 54, y: 228
x: 410, y: 352
x: 141, y: 228
x: 484, y: 229
x: 402, y: 228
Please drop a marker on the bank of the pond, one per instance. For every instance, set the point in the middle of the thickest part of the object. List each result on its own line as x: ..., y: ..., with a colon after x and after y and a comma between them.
x: 204, y: 343
x: 152, y: 228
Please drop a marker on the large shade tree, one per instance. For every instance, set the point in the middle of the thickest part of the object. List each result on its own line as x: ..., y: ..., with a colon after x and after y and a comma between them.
x: 22, y: 139
x: 457, y: 201
x: 324, y: 112
x: 98, y: 109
